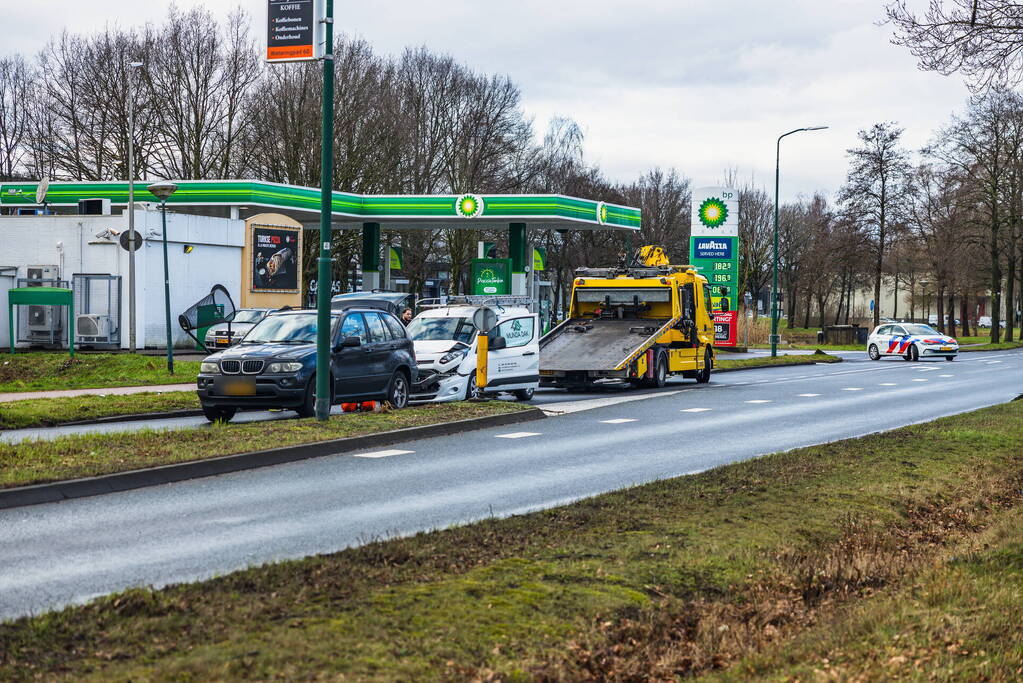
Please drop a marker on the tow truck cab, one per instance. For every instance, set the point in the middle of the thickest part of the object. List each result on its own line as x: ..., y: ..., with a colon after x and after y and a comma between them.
x: 631, y: 325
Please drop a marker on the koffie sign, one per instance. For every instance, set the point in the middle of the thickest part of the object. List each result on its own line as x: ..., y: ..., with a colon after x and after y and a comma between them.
x: 295, y: 30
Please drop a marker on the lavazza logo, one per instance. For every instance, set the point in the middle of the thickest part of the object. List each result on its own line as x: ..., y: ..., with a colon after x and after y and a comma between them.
x: 713, y: 248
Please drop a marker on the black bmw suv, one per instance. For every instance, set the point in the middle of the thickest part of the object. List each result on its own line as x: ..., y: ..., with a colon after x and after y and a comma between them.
x: 274, y: 365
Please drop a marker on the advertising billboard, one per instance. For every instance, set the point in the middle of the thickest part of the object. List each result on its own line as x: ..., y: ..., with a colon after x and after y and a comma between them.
x: 491, y: 276
x: 295, y: 30
x: 274, y: 259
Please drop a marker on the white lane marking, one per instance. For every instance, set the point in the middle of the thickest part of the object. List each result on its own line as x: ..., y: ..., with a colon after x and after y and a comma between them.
x: 562, y: 407
x: 618, y: 421
x: 888, y: 384
x: 381, y: 454
x: 919, y: 379
x: 758, y: 400
x: 809, y: 395
x: 926, y: 369
x: 853, y: 389
x: 516, y: 435
x: 946, y: 375
x: 694, y: 410
x: 992, y: 362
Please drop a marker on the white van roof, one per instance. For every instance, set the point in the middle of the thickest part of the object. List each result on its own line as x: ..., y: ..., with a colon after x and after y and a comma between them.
x: 467, y: 312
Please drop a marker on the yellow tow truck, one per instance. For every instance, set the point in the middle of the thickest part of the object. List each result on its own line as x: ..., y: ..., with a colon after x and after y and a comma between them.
x: 632, y: 325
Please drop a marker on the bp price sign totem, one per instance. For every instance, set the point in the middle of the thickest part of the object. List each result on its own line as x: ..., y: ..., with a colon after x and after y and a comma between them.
x: 714, y: 250
x: 295, y: 30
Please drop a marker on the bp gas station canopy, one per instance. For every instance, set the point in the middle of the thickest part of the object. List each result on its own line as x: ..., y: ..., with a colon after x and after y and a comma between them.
x: 242, y: 198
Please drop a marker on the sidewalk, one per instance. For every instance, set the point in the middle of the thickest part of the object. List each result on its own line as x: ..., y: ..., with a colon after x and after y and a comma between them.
x: 24, y: 395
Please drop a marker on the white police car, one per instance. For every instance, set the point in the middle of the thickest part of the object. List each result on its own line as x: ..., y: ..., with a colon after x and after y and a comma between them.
x: 911, y: 341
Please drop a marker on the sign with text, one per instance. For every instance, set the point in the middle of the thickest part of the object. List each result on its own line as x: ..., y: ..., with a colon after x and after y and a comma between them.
x: 295, y: 30
x: 714, y: 251
x: 274, y: 259
x: 491, y: 276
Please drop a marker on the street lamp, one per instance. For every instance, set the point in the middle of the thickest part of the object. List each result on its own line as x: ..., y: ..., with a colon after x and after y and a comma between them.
x: 131, y: 205
x: 162, y: 190
x: 774, y: 288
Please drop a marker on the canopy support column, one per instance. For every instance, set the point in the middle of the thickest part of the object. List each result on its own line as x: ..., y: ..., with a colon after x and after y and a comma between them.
x: 517, y: 253
x: 370, y: 256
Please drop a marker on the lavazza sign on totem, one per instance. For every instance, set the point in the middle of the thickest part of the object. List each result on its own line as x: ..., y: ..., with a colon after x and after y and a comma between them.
x: 714, y: 250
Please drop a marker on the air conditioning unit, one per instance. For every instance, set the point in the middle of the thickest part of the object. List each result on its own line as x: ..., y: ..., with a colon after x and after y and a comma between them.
x: 92, y: 327
x: 41, y: 319
x: 43, y: 273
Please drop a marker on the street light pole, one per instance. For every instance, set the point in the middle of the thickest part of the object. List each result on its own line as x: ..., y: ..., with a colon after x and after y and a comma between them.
x: 774, y: 288
x: 131, y: 205
x: 323, y: 275
x: 162, y: 191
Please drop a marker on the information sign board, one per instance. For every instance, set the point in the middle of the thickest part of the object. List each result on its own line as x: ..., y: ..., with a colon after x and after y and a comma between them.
x: 295, y: 30
x: 491, y: 276
x: 714, y: 251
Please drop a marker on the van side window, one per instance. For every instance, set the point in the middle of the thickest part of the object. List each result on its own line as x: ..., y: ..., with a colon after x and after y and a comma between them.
x: 516, y: 332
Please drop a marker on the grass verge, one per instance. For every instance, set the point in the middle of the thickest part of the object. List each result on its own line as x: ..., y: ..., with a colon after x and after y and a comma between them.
x: 47, y: 412
x: 1000, y: 346
x: 39, y: 371
x: 844, y: 558
x: 724, y: 363
x: 86, y: 455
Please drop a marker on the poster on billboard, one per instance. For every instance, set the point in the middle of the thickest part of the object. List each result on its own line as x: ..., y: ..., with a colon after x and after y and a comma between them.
x: 295, y: 30
x: 275, y: 254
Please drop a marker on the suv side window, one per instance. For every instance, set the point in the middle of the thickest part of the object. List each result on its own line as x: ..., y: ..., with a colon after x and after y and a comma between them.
x: 516, y: 332
x: 353, y: 326
x: 396, y: 328
x: 377, y: 332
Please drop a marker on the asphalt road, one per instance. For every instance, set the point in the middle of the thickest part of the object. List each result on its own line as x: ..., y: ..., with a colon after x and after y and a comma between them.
x: 60, y: 553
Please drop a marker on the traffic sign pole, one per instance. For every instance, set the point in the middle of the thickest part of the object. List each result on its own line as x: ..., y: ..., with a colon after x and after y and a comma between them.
x: 322, y: 404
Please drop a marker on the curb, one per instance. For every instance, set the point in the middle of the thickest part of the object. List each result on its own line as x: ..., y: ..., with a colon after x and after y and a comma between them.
x: 194, y: 469
x: 777, y: 365
x: 184, y: 412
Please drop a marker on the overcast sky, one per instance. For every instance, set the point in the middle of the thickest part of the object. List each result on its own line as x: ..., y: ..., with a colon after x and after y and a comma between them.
x: 701, y: 85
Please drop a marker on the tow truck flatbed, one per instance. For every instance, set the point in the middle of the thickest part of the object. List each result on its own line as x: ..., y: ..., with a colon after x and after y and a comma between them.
x: 602, y: 345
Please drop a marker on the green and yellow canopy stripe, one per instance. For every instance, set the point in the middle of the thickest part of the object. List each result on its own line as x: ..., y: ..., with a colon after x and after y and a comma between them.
x: 556, y: 210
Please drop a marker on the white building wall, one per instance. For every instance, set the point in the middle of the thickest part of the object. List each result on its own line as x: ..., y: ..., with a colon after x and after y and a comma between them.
x: 64, y: 241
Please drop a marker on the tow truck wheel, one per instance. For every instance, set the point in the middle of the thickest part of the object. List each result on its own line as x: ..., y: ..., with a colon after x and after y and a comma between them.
x: 660, y: 377
x: 703, y: 376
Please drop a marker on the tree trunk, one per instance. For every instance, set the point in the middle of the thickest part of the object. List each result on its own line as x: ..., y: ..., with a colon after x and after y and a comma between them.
x: 951, y: 314
x: 790, y: 305
x: 895, y: 304
x: 941, y: 309
x: 964, y: 315
x: 1010, y: 294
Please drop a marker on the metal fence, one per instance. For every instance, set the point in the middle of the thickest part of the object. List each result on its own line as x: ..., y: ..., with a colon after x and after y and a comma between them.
x: 97, y: 309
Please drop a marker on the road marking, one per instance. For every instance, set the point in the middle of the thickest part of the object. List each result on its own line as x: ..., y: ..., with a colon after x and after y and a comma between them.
x: 919, y: 379
x: 853, y: 389
x: 618, y: 421
x: 381, y: 454
x: 946, y: 375
x: 888, y: 384
x: 809, y: 395
x: 563, y: 407
x: 992, y: 362
x: 926, y: 369
x: 517, y: 435
x: 758, y: 400
x: 694, y: 410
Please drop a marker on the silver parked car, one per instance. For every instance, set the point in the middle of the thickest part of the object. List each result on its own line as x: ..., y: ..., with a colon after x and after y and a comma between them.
x: 225, y: 335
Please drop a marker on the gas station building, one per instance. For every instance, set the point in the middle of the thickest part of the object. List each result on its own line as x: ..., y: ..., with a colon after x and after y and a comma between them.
x: 224, y: 232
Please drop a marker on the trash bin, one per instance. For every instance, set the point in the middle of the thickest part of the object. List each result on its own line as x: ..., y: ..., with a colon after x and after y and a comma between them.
x: 840, y: 334
x: 861, y: 335
x: 820, y: 336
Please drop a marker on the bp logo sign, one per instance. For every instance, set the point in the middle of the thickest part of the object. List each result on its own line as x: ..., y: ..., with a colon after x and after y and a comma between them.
x: 713, y: 213
x: 469, y: 206
x: 601, y: 213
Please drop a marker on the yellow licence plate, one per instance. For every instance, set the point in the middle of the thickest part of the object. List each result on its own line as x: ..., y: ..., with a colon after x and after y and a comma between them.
x: 546, y: 372
x: 948, y: 348
x: 223, y: 342
x: 240, y: 387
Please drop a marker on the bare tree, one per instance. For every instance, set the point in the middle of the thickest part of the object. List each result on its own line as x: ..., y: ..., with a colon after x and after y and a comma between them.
x: 876, y: 193
x: 16, y: 82
x: 982, y: 39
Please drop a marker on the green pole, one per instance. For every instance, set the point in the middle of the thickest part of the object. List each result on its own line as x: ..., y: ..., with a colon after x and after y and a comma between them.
x: 323, y: 278
x: 166, y: 289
